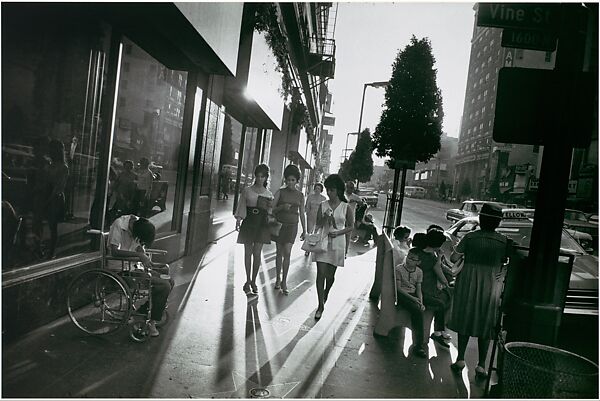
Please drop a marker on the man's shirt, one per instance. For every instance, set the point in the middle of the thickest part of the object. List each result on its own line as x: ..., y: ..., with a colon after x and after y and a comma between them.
x: 121, y: 236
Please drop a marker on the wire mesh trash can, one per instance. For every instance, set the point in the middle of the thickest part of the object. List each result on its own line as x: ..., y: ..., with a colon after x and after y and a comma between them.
x: 540, y: 371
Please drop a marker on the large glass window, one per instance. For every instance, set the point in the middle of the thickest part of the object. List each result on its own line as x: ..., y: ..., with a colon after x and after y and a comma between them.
x: 53, y: 76
x: 147, y: 141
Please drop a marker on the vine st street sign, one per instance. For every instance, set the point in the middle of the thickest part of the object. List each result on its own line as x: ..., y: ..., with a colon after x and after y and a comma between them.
x: 538, y: 16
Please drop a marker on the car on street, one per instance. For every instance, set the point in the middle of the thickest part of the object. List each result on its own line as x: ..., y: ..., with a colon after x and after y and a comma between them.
x: 585, y: 240
x: 582, y: 295
x: 469, y: 208
x: 414, y: 192
x: 578, y: 221
x: 369, y: 196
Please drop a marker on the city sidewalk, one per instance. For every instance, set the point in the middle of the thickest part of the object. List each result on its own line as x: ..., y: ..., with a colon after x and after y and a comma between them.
x: 218, y: 344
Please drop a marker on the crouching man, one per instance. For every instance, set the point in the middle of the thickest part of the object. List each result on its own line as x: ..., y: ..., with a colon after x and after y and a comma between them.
x: 128, y: 236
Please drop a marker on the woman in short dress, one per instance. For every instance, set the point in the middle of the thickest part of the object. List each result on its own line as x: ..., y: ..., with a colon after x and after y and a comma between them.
x: 288, y: 207
x: 251, y: 222
x: 335, y: 219
x: 312, y: 207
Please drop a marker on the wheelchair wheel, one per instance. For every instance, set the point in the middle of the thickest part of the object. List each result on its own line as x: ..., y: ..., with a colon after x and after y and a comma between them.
x: 138, y: 331
x: 98, y: 302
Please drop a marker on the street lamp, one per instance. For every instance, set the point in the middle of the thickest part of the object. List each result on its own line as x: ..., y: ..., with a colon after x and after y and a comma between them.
x: 381, y: 84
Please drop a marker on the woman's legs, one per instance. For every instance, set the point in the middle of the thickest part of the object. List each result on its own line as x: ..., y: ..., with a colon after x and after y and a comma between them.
x: 321, y: 274
x: 463, y: 341
x: 483, y: 344
x: 256, y: 256
x: 278, y: 262
x: 248, y: 251
x: 329, y: 279
x: 286, y: 251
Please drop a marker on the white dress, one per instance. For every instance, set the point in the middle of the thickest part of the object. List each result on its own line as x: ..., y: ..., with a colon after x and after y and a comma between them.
x: 336, y: 247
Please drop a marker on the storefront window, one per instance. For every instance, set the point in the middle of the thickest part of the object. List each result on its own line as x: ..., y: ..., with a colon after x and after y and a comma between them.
x: 53, y: 76
x: 147, y: 141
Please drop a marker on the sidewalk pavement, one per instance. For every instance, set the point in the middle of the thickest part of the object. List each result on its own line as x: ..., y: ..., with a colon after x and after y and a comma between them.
x: 220, y: 344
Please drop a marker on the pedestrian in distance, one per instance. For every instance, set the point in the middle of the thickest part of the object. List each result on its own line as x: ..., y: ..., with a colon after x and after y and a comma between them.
x: 288, y: 208
x: 409, y: 295
x: 354, y: 201
x: 251, y: 221
x: 335, y: 219
x: 312, y: 207
x: 478, y: 286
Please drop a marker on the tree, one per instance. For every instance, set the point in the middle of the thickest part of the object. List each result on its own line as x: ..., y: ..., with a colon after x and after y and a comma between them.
x: 344, y: 170
x: 411, y: 123
x: 410, y: 126
x: 361, y: 159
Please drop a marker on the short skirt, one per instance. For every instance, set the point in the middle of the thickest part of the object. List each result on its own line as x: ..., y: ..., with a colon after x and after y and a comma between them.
x: 254, y: 228
x: 287, y: 234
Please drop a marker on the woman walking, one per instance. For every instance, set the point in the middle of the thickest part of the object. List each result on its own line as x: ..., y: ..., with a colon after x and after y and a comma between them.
x: 312, y: 207
x: 478, y: 286
x: 335, y: 219
x: 251, y: 222
x: 288, y: 207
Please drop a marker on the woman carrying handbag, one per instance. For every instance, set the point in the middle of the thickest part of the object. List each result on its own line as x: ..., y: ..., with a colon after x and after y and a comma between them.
x: 334, y: 220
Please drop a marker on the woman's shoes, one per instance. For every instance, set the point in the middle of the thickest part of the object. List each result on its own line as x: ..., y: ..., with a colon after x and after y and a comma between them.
x: 318, y: 314
x: 457, y: 366
x: 247, y: 288
x: 480, y: 373
x: 254, y: 288
x: 439, y: 338
x: 277, y: 284
x: 284, y: 289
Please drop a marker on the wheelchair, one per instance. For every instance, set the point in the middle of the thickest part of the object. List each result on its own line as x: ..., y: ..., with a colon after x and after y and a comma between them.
x: 102, y: 301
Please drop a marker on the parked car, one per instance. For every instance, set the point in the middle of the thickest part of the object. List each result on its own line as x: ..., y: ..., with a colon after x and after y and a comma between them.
x: 369, y: 196
x: 592, y: 218
x: 577, y: 220
x: 414, y: 192
x: 468, y: 208
x: 585, y: 240
x: 582, y: 295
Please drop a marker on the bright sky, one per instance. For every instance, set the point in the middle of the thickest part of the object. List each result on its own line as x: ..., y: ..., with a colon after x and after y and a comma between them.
x: 368, y: 37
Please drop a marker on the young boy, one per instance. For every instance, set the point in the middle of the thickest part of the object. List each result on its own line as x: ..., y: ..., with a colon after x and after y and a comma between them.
x: 401, y: 244
x: 408, y: 288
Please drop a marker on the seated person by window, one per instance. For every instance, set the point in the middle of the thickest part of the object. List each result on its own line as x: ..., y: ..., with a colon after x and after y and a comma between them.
x: 128, y: 237
x: 367, y: 229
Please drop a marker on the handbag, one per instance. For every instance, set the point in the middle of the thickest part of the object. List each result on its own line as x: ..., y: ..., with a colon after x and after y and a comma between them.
x: 315, y: 243
x: 274, y: 225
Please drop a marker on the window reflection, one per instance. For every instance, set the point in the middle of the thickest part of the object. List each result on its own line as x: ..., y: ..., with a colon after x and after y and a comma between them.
x: 147, y: 140
x: 53, y: 71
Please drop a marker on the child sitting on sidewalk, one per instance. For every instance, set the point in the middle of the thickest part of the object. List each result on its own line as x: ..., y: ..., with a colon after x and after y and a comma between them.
x: 409, y: 296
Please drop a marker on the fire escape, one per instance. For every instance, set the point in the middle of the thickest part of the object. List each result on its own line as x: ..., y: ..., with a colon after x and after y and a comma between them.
x: 321, y: 45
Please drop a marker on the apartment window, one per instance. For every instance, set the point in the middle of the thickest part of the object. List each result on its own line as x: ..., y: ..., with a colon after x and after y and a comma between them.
x: 480, y: 81
x: 476, y: 70
x: 483, y: 110
x: 485, y: 93
x: 483, y: 65
x: 478, y: 54
x: 485, y: 49
x: 476, y: 113
x: 479, y: 97
x: 489, y: 59
x: 481, y: 126
x: 475, y: 85
x: 492, y: 42
x: 487, y: 77
x: 471, y: 116
x: 472, y: 100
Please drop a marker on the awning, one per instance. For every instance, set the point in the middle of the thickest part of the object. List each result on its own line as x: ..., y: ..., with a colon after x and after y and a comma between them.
x: 297, y: 158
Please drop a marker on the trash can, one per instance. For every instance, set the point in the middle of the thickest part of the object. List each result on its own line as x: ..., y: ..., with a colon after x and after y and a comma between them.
x: 540, y: 371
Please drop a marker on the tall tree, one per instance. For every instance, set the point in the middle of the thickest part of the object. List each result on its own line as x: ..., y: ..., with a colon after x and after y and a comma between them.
x: 411, y: 123
x: 344, y: 170
x: 361, y: 159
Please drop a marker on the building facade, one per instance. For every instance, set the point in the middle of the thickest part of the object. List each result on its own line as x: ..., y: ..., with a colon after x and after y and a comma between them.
x: 181, y: 88
x: 437, y: 175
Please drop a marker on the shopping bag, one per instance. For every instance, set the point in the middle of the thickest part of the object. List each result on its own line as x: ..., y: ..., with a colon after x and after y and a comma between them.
x: 315, y: 243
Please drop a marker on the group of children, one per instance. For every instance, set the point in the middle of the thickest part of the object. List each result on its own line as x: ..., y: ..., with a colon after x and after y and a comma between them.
x: 423, y: 281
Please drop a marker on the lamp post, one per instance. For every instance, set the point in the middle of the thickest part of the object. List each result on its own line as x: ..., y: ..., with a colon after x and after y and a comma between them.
x: 381, y: 84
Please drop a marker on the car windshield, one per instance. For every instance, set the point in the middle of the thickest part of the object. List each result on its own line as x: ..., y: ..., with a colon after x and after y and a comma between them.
x: 574, y: 215
x: 522, y: 236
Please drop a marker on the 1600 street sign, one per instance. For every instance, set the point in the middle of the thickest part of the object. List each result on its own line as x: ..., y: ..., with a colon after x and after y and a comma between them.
x: 542, y: 16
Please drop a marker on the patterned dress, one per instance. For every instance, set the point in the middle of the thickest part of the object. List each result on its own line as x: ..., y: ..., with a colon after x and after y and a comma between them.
x: 336, y: 247
x: 479, y: 284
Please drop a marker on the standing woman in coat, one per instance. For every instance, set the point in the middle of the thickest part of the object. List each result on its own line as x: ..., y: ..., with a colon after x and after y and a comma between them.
x: 478, y: 286
x: 251, y: 222
x: 335, y: 219
x: 288, y: 208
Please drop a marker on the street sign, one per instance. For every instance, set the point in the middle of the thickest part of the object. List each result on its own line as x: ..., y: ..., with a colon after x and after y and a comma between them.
x: 528, y: 107
x: 529, y: 39
x: 541, y: 16
x: 410, y: 165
